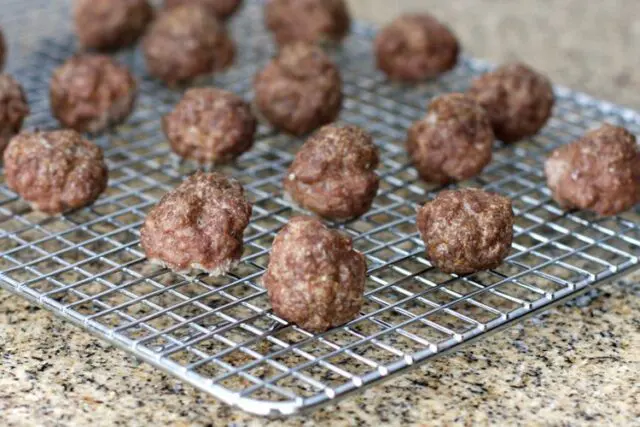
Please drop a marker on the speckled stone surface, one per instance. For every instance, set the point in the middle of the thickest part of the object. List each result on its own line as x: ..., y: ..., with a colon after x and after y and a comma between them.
x: 577, y: 364
x: 573, y: 365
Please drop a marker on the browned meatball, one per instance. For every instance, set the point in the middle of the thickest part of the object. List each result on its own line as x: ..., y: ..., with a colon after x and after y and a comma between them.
x: 221, y: 9
x: 333, y: 174
x: 465, y: 231
x: 198, y: 225
x: 314, y: 279
x: 89, y: 93
x: 13, y: 109
x: 111, y: 24
x: 518, y: 99
x: 3, y: 50
x: 453, y: 141
x: 312, y: 21
x: 186, y: 42
x: 300, y: 90
x: 416, y: 47
x: 598, y: 172
x: 55, y: 171
x: 210, y: 126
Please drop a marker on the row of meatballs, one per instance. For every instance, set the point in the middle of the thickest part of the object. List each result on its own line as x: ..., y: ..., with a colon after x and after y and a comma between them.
x: 337, y: 180
x: 298, y: 92
x: 302, y: 91
x: 188, y: 38
x: 314, y: 277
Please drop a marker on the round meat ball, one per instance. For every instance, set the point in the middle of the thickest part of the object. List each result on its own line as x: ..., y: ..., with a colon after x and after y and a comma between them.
x: 221, y: 9
x: 186, y: 42
x: 13, y: 109
x: 55, y: 171
x: 599, y: 172
x: 453, y: 141
x: 311, y: 21
x: 3, y: 50
x: 110, y: 24
x: 198, y: 225
x: 333, y: 174
x: 89, y: 93
x: 300, y: 90
x: 315, y: 278
x: 518, y: 99
x: 416, y: 47
x: 210, y: 126
x: 466, y: 231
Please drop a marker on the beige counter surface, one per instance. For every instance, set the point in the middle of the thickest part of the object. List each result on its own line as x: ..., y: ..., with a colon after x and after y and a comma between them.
x: 577, y: 364
x: 591, y: 46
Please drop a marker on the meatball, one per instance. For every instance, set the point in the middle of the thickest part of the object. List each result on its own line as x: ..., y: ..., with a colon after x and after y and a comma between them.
x: 312, y: 21
x: 210, y: 126
x: 221, y: 9
x: 3, y: 50
x: 55, y: 171
x: 518, y: 99
x: 333, y: 174
x: 315, y: 278
x: 453, y: 141
x: 186, y: 42
x: 416, y: 47
x: 89, y: 93
x: 465, y: 231
x: 111, y: 24
x: 198, y: 225
x: 598, y: 172
x: 13, y: 109
x: 300, y: 90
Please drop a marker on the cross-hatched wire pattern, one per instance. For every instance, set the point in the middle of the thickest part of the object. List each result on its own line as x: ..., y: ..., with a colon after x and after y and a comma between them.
x: 219, y: 333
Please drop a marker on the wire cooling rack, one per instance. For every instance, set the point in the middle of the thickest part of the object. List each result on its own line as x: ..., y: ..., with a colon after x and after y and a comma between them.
x: 219, y: 334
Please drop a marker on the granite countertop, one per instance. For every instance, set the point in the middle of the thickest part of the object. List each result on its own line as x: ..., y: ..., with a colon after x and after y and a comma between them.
x: 573, y: 365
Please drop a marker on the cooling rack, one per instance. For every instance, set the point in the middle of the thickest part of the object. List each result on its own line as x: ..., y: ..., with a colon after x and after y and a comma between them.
x: 219, y: 334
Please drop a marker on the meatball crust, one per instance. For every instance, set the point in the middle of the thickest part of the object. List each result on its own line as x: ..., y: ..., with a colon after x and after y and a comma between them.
x: 311, y: 21
x: 55, y: 171
x: 300, y: 90
x: 465, y: 231
x: 199, y: 225
x: 13, y: 109
x: 221, y: 9
x: 453, y: 141
x: 110, y: 24
x: 89, y: 93
x: 315, y: 278
x: 3, y: 50
x: 333, y: 174
x: 186, y: 42
x: 599, y: 172
x: 210, y: 126
x: 416, y: 47
x: 518, y: 99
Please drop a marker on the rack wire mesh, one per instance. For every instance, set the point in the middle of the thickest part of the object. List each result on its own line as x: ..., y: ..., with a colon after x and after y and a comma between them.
x: 219, y: 334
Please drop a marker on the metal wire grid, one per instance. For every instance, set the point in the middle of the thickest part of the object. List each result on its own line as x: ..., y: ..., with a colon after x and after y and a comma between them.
x: 219, y: 333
